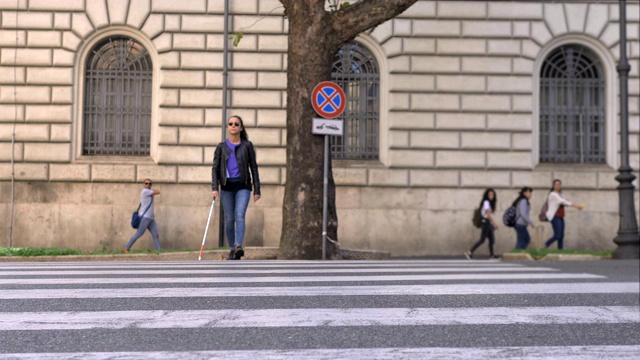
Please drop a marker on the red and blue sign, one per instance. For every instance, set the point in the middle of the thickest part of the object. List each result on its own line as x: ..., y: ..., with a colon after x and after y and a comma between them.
x: 328, y: 99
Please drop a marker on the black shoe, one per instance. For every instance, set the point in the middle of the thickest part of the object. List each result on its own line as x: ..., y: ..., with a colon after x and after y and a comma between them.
x: 232, y: 254
x: 239, y: 252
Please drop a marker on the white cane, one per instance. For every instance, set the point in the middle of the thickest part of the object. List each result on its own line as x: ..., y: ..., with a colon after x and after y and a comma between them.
x: 206, y: 229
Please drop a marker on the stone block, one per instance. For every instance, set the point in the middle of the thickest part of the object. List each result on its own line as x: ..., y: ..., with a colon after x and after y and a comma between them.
x: 201, y: 60
x: 11, y: 113
x: 257, y: 61
x: 13, y: 5
x: 388, y: 177
x: 410, y: 158
x: 61, y: 94
x: 402, y: 27
x: 49, y: 76
x: 172, y: 23
x: 163, y: 43
x: 249, y: 43
x: 63, y: 57
x: 522, y: 66
x: 81, y: 25
x: 157, y: 173
x: 169, y: 97
x: 264, y: 137
x: 434, y: 28
x: 398, y: 139
x: 70, y: 41
x: 273, y: 43
x: 67, y: 5
x: 27, y: 20
x: 60, y: 133
x: 537, y: 179
x: 271, y: 156
x: 182, y: 79
x: 112, y: 173
x: 522, y: 103
x: 348, y: 176
x: 69, y: 172
x: 576, y: 17
x: 181, y: 117
x: 530, y: 49
x: 202, y: 23
x: 421, y: 9
x: 411, y: 83
x: 24, y: 94
x: 434, y: 178
x: 272, y: 80
x: 273, y: 7
x: 22, y: 171
x: 611, y: 35
x: 521, y: 141
x: 44, y: 39
x: 49, y: 113
x: 435, y: 64
x: 435, y: 140
x: 189, y: 42
x: 194, y: 174
x: 521, y: 29
x: 8, y: 38
x: 462, y: 9
x: 510, y: 84
x: 418, y: 46
x: 509, y: 160
x: 12, y: 75
x: 554, y: 16
x: 118, y: 11
x: 177, y: 7
x: 241, y: 79
x: 272, y: 118
x: 97, y: 13
x: 179, y: 154
x: 269, y: 175
x: 486, y: 29
x: 607, y: 180
x: 38, y: 57
x: 24, y: 132
x: 154, y: 25
x: 393, y: 47
x: 138, y: 12
x: 47, y: 152
x: 460, y: 83
x: 167, y: 135
x: 6, y: 149
x: 198, y: 135
x: 540, y: 33
x: 399, y: 64
x: 486, y: 65
x: 486, y: 140
x: 256, y: 24
x: 577, y: 179
x: 169, y: 60
x: 257, y: 99
x: 515, y: 122
x: 486, y: 102
x: 513, y: 10
x: 460, y: 159
x: 460, y: 121
x: 461, y: 46
x: 435, y: 102
x: 597, y: 19
x: 398, y: 101
x: 504, y: 47
x: 201, y: 98
x: 498, y: 179
x: 62, y: 21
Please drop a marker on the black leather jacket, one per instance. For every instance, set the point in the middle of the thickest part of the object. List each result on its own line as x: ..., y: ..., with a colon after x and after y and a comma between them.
x: 246, y: 158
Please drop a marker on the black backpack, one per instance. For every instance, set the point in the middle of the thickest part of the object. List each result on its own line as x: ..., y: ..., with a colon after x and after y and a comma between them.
x: 477, y: 218
x: 509, y: 218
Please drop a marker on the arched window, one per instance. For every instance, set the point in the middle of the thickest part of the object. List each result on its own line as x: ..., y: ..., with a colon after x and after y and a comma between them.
x: 572, y: 107
x: 356, y: 71
x: 117, y: 99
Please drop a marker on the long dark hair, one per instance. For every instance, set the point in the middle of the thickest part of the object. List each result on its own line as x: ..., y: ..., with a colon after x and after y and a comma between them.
x: 521, y: 195
x: 553, y: 183
x: 243, y: 132
x: 485, y: 196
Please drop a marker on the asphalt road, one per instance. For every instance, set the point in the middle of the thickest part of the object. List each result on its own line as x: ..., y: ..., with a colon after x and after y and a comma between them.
x: 405, y: 309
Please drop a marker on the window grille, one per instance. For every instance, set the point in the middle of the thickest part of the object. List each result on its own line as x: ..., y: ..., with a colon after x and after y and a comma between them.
x: 356, y: 71
x: 117, y: 99
x: 572, y: 107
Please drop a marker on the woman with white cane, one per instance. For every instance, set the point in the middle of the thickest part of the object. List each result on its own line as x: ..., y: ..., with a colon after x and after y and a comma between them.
x: 234, y: 168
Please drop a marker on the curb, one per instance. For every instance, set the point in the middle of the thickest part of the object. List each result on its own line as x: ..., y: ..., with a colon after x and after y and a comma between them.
x: 517, y: 257
x: 552, y: 257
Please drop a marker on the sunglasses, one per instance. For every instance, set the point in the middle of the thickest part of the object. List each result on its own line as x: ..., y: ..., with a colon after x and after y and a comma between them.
x: 234, y: 124
x: 147, y: 183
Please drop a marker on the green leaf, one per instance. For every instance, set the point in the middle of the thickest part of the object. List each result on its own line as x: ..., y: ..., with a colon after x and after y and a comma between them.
x: 236, y: 37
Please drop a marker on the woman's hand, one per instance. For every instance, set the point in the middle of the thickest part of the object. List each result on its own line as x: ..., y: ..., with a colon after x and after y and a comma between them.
x: 256, y: 198
x: 578, y: 206
x: 214, y: 195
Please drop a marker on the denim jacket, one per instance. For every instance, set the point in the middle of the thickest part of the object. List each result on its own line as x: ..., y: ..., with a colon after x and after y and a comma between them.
x: 246, y: 158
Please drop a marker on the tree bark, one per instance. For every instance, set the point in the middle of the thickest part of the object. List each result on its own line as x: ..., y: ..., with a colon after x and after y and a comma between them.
x: 315, y: 35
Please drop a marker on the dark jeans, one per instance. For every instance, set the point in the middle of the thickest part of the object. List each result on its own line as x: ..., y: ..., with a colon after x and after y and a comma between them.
x: 558, y: 232
x: 487, y: 233
x: 523, y: 236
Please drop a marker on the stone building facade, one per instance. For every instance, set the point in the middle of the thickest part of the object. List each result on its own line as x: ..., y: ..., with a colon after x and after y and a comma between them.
x: 462, y: 105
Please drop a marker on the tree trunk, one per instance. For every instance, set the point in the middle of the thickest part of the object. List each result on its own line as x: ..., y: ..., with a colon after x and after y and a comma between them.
x: 315, y: 35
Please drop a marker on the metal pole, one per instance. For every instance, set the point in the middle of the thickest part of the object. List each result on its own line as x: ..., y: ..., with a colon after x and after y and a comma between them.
x: 225, y: 65
x: 325, y: 197
x: 628, y: 240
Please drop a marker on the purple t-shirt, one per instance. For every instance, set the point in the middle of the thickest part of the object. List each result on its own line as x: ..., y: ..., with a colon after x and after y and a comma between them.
x: 232, y: 164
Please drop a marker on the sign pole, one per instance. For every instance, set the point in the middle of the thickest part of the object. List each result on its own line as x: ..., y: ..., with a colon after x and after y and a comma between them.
x: 325, y: 197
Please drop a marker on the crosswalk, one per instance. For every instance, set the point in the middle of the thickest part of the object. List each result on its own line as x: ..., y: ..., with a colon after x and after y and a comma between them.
x: 412, y: 309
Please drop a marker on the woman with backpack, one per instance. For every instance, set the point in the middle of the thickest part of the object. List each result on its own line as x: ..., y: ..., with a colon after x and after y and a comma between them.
x: 555, y: 213
x: 487, y: 208
x: 523, y: 209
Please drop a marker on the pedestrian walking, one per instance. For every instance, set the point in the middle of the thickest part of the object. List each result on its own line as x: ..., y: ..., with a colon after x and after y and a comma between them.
x: 555, y: 213
x: 523, y: 219
x: 148, y: 221
x: 488, y: 208
x: 234, y: 170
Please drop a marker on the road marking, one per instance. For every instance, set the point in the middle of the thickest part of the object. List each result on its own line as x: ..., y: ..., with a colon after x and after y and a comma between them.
x: 381, y: 290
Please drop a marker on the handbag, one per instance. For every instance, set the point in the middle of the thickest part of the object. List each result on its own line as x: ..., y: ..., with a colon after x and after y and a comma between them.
x: 136, y: 218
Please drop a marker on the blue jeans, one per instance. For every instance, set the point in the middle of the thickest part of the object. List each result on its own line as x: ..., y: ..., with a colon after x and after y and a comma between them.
x: 235, y: 205
x: 523, y: 237
x: 145, y: 224
x: 558, y: 232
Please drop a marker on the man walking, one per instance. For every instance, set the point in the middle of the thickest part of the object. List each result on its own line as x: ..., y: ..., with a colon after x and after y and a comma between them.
x: 147, y: 221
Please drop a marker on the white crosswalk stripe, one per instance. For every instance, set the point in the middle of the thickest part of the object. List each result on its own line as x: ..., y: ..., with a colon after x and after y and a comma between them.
x: 312, y: 310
